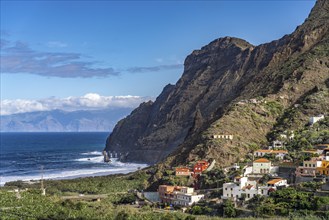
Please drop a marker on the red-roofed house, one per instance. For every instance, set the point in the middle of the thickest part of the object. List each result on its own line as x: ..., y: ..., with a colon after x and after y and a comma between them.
x: 182, y: 171
x: 200, y: 166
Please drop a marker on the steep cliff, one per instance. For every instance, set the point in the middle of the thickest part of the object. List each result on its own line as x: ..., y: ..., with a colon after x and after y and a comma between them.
x: 204, y: 100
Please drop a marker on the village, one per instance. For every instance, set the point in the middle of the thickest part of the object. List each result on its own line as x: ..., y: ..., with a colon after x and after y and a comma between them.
x: 271, y: 169
x: 270, y: 181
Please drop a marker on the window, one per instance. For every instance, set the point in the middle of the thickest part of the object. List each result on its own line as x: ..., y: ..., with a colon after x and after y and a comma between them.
x: 313, y: 165
x: 248, y: 195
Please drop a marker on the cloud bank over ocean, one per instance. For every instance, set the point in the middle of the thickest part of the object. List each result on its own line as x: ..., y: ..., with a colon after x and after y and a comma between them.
x: 90, y: 101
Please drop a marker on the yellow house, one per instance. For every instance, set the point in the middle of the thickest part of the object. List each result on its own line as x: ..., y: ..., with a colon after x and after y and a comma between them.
x: 324, y: 169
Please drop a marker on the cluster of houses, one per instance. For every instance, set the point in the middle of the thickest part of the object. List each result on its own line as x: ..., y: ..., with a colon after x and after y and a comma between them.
x: 251, y: 182
x: 316, y: 165
x: 197, y: 169
x: 247, y: 188
x: 181, y: 195
x: 248, y: 185
x: 178, y: 195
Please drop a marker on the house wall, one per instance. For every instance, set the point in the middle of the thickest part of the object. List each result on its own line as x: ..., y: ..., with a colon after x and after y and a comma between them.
x: 261, y: 167
x: 316, y: 119
x: 247, y: 170
x: 231, y: 190
x: 250, y: 193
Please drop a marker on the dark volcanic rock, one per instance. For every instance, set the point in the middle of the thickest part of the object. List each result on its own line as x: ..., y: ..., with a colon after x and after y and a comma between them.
x: 215, y: 77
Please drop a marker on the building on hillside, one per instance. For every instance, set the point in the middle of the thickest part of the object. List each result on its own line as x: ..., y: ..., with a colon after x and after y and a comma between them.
x: 244, y: 187
x: 325, y: 151
x: 261, y: 166
x: 165, y: 193
x: 183, y: 196
x: 309, y: 167
x: 247, y: 170
x: 182, y: 171
x: 315, y: 119
x: 200, y: 166
x: 235, y: 167
x: 278, y: 153
x: 235, y: 190
x: 277, y: 182
x: 262, y: 152
x: 287, y: 136
x: 223, y: 136
x: 271, y: 186
x: 324, y: 168
x: 277, y: 145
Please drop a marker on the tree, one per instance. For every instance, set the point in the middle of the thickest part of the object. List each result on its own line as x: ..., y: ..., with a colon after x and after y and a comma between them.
x: 196, y: 210
x: 229, y: 210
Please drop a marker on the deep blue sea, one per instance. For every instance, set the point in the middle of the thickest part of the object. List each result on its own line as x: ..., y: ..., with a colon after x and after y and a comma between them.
x: 25, y: 156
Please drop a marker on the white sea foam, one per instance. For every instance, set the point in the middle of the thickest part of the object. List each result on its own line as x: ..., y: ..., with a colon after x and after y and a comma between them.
x: 92, y: 153
x: 118, y: 167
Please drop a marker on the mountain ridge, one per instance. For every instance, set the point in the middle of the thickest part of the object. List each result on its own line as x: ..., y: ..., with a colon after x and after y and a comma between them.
x: 218, y: 76
x: 63, y: 121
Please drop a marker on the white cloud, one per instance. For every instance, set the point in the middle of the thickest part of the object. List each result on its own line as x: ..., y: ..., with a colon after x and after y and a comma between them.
x: 90, y: 101
x: 18, y: 57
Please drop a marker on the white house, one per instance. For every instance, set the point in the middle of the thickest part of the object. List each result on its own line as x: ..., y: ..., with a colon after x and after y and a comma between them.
x: 184, y: 196
x: 242, y: 187
x: 262, y: 152
x: 315, y: 119
x: 276, y: 144
x: 277, y: 182
x: 223, y: 136
x: 250, y: 191
x: 247, y: 170
x: 187, y: 199
x: 261, y: 166
x: 278, y: 153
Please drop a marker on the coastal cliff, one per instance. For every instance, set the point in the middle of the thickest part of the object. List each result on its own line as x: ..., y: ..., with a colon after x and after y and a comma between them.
x: 213, y: 96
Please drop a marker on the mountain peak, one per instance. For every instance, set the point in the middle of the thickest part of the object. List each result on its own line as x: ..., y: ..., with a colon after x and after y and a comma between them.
x: 318, y: 19
x: 320, y: 11
x: 228, y: 42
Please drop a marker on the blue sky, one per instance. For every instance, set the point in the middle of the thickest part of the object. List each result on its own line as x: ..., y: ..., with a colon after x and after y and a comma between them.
x: 60, y: 49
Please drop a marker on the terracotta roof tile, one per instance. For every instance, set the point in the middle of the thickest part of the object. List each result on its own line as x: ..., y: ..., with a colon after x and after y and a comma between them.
x: 264, y: 151
x: 262, y: 160
x: 274, y: 181
x: 279, y: 151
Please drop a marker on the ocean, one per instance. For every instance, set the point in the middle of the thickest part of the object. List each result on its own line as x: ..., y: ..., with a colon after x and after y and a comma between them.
x: 28, y: 156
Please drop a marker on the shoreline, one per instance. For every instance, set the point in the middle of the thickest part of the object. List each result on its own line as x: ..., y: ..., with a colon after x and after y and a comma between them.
x: 115, y: 171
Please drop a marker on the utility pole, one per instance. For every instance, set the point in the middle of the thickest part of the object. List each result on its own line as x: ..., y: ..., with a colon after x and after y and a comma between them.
x: 43, y: 190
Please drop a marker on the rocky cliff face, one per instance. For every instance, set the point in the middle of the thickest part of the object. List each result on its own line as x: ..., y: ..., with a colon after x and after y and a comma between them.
x: 215, y: 78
